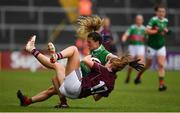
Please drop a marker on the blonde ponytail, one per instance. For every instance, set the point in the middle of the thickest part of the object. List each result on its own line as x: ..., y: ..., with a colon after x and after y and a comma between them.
x: 88, y: 24
x: 119, y: 63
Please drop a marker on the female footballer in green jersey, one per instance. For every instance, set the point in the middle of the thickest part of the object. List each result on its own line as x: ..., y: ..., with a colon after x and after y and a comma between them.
x: 156, y: 30
x: 135, y: 35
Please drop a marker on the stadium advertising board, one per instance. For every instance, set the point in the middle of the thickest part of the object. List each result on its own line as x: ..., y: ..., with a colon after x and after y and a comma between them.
x: 22, y: 60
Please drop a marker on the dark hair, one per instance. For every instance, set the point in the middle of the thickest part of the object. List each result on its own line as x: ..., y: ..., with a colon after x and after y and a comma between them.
x: 95, y: 36
x: 159, y: 6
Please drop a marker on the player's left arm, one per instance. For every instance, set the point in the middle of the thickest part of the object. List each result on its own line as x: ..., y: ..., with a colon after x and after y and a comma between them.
x: 166, y: 30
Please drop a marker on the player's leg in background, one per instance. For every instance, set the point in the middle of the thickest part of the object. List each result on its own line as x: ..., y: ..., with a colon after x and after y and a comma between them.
x: 150, y: 53
x: 140, y: 54
x: 132, y: 51
x: 128, y: 76
x: 161, y: 59
x: 139, y: 75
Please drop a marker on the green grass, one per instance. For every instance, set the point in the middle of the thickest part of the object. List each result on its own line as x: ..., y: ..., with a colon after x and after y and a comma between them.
x: 125, y: 97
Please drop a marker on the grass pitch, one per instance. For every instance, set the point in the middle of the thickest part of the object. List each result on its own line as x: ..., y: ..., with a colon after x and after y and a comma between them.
x: 125, y: 97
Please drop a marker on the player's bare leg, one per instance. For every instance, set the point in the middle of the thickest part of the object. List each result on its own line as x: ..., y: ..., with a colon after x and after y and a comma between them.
x: 141, y: 57
x: 73, y: 62
x: 58, y: 80
x: 128, y: 74
x: 71, y: 53
x: 42, y: 96
x: 129, y: 71
x: 63, y: 101
x: 30, y: 47
x: 161, y: 72
x: 44, y: 60
x: 147, y: 66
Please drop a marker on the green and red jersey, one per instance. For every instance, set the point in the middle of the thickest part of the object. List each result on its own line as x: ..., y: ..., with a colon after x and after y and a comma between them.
x: 136, y: 34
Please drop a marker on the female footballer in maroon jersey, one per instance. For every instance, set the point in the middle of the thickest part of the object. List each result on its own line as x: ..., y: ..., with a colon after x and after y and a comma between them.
x: 99, y: 83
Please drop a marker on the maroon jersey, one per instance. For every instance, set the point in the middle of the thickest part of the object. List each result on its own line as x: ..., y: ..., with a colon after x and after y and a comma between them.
x: 98, y: 81
x: 107, y: 40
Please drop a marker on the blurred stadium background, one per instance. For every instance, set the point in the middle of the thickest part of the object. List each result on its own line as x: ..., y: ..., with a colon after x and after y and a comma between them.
x: 54, y: 20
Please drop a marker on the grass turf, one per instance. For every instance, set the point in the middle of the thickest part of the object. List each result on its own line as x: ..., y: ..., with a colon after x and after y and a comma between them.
x: 125, y: 97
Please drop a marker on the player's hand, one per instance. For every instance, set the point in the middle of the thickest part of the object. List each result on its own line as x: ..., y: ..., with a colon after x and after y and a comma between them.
x: 136, y: 65
x: 158, y: 30
x: 166, y: 30
x: 169, y: 32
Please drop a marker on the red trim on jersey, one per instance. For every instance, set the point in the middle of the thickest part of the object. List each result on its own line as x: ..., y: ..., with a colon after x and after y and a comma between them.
x: 136, y: 38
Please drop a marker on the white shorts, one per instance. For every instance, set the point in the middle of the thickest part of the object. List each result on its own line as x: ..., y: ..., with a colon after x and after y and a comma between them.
x: 152, y: 52
x: 136, y: 50
x: 71, y: 86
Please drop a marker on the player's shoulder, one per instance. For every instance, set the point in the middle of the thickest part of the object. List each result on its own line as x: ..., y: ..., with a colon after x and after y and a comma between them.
x: 154, y: 18
x: 165, y: 19
x: 132, y: 26
x: 143, y: 27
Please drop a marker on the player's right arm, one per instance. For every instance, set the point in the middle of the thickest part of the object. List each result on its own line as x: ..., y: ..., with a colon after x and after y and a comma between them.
x: 125, y: 37
x: 151, y: 31
x: 126, y: 34
x: 151, y: 28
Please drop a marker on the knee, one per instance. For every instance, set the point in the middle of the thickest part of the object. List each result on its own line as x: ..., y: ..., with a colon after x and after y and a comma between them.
x: 51, y: 91
x: 58, y: 67
x: 160, y: 66
x: 147, y: 66
x: 74, y: 48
